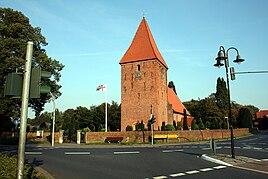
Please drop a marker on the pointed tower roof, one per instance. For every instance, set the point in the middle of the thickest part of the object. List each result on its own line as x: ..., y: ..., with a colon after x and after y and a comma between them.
x: 143, y: 47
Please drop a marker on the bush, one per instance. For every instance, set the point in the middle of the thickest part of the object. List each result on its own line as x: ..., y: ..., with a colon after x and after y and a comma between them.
x: 9, y: 140
x: 129, y: 128
x: 170, y: 127
x: 8, y: 168
x: 86, y: 129
x: 194, y: 126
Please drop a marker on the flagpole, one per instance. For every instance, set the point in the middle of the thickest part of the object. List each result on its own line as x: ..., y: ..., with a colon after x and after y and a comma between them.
x: 106, y: 115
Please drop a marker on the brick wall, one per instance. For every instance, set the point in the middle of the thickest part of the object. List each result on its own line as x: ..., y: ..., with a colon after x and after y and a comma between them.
x: 194, y: 135
x: 138, y: 92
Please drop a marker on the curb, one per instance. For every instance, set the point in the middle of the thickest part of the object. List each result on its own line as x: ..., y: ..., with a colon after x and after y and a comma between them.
x: 205, y: 157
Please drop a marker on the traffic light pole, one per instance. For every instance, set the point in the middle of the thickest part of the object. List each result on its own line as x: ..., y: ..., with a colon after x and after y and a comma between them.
x: 24, y: 110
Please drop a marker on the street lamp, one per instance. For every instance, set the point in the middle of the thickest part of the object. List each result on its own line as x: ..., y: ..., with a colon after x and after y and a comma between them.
x: 223, y: 56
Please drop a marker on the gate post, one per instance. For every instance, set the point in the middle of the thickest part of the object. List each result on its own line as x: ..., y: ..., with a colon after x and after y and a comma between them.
x: 78, y: 136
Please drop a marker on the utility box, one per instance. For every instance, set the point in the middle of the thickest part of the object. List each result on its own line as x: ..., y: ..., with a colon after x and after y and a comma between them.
x: 13, y: 87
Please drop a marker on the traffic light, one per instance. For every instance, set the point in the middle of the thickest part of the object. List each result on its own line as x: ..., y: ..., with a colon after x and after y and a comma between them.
x: 37, y: 85
x: 232, y: 72
x: 153, y: 119
x: 13, y: 86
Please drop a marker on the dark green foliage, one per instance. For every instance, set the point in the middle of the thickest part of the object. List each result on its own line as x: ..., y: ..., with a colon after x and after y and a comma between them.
x: 163, y: 127
x: 179, y: 125
x: 221, y: 95
x: 172, y: 86
x: 139, y: 126
x: 185, y: 121
x: 244, y: 119
x: 129, y: 128
x: 200, y: 124
x: 194, y: 126
x: 9, y: 140
x: 8, y: 168
x: 15, y: 31
x: 92, y: 118
x: 170, y: 127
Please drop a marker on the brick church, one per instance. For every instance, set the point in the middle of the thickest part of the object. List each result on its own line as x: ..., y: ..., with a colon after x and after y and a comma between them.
x: 144, y: 83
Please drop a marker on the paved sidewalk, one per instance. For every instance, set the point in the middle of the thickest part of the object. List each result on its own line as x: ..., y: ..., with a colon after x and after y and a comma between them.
x: 241, y: 162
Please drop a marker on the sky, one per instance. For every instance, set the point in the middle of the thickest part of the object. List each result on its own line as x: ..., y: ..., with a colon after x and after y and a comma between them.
x: 91, y: 37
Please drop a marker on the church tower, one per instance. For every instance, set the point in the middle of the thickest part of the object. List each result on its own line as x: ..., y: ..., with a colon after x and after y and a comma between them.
x: 143, y: 81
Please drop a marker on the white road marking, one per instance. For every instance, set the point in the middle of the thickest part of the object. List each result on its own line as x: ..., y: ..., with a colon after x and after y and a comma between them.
x: 33, y: 153
x: 206, y: 169
x: 134, y: 152
x: 159, y: 177
x: 177, y: 174
x: 206, y: 148
x: 192, y: 172
x: 77, y: 153
x: 220, y: 167
x: 246, y: 147
x: 169, y: 151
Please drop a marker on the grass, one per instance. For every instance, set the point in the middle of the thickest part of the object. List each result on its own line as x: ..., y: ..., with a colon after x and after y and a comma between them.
x: 8, y: 168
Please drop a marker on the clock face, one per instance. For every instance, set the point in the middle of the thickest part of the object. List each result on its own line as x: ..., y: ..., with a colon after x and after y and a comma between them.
x: 138, y: 74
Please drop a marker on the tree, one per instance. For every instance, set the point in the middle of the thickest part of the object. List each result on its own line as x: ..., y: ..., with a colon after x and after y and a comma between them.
x: 185, y: 120
x: 170, y: 127
x: 244, y: 119
x: 15, y: 31
x: 172, y: 86
x: 194, y: 126
x: 200, y: 124
x: 221, y: 96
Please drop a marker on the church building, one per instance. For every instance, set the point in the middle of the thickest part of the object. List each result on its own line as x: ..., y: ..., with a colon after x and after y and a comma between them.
x: 144, y: 84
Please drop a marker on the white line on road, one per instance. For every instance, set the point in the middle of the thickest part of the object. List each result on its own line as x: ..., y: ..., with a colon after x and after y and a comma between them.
x: 206, y: 148
x: 246, y: 147
x: 192, y: 172
x: 206, y: 169
x: 33, y: 153
x: 159, y: 177
x: 220, y: 167
x: 134, y: 152
x: 177, y: 174
x: 77, y: 153
x: 169, y: 151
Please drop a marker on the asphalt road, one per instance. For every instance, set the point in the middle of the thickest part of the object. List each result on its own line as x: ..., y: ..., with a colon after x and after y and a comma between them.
x: 159, y: 161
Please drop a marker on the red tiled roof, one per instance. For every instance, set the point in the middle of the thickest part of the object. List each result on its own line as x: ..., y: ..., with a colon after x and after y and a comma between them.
x: 261, y: 114
x: 177, y: 105
x: 143, y: 47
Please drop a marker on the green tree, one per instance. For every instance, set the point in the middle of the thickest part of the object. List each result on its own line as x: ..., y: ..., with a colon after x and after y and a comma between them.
x: 15, y: 31
x: 185, y: 120
x: 170, y: 127
x: 244, y: 119
x: 221, y: 96
x: 200, y: 124
x: 194, y: 126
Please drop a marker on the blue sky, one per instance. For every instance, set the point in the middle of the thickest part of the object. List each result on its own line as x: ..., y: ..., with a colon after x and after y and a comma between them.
x: 90, y: 38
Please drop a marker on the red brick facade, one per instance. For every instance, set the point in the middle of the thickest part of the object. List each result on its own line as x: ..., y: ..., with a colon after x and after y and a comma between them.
x: 143, y: 83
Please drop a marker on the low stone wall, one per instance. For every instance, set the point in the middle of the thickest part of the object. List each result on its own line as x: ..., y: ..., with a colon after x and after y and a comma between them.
x: 32, y: 136
x: 193, y: 135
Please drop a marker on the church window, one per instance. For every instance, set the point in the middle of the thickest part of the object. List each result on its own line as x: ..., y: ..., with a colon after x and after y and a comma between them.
x: 138, y: 73
x: 138, y: 68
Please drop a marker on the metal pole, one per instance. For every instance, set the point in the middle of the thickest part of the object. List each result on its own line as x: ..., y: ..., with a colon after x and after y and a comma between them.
x: 54, y: 118
x: 152, y: 124
x: 24, y: 110
x: 106, y: 113
x: 230, y: 110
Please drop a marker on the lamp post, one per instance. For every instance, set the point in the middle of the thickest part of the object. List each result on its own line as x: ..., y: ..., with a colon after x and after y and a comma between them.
x: 223, y: 56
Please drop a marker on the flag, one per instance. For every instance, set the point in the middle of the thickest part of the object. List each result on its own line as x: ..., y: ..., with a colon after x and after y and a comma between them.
x: 101, y: 87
